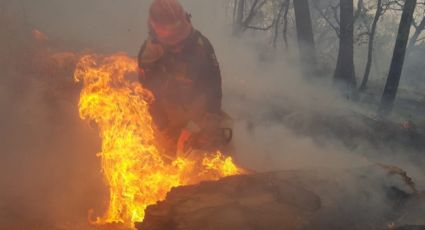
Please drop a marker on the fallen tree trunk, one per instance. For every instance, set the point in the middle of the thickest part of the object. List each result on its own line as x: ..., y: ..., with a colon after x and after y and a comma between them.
x: 355, y: 199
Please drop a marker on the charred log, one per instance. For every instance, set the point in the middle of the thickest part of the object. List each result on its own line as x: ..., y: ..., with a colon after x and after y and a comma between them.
x: 354, y: 199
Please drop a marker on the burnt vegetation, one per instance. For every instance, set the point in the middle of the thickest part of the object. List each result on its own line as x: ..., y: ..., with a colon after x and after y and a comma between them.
x: 365, y: 47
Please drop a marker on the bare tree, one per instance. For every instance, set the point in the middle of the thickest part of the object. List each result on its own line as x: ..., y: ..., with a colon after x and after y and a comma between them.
x: 393, y: 80
x: 283, y: 13
x: 245, y: 14
x: 418, y: 28
x: 252, y: 15
x: 371, y: 31
x: 307, y: 48
x: 330, y: 14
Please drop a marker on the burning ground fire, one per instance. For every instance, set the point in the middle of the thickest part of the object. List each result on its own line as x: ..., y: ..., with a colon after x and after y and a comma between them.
x: 136, y: 172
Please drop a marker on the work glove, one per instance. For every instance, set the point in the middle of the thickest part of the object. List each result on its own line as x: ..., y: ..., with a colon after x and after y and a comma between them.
x: 187, y: 138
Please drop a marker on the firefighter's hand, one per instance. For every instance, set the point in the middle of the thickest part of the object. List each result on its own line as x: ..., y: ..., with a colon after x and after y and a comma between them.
x: 187, y: 137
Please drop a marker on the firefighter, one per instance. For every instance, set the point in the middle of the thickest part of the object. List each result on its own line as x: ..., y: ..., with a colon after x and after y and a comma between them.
x: 178, y: 64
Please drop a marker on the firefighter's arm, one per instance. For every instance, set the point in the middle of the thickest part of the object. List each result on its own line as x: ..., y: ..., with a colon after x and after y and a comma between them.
x: 148, y: 57
x: 208, y: 127
x: 149, y: 54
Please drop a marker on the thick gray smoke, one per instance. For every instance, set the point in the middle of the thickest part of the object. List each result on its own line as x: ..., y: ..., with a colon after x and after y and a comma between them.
x: 49, y: 173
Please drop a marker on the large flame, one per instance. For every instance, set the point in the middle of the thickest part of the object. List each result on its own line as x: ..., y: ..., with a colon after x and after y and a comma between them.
x: 134, y: 168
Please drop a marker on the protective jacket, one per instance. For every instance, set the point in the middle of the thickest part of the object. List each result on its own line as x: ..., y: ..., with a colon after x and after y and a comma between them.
x: 186, y: 84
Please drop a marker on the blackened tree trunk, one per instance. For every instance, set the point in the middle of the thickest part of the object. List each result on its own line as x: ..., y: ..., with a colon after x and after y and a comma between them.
x: 305, y: 35
x: 372, y: 33
x: 344, y: 72
x: 393, y: 80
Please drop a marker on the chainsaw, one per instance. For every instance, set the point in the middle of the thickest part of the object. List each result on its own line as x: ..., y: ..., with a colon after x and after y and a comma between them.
x: 195, y: 139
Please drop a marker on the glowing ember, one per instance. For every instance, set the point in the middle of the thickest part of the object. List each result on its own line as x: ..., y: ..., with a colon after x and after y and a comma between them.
x: 134, y: 169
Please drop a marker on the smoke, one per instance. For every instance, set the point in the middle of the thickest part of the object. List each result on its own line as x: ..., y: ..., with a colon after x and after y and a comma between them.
x: 48, y: 169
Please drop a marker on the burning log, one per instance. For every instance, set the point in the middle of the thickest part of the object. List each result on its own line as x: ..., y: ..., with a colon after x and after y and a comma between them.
x: 356, y: 199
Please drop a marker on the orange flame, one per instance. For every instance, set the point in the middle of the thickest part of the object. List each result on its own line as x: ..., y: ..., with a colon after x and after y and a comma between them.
x: 134, y: 168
